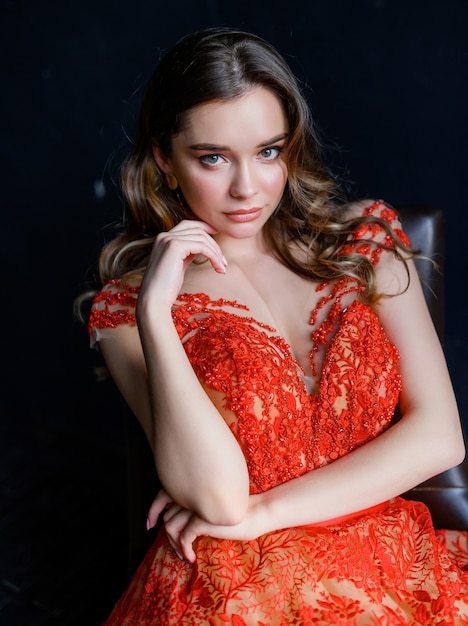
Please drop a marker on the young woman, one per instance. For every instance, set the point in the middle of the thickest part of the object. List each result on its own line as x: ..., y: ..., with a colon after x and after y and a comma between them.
x: 263, y: 333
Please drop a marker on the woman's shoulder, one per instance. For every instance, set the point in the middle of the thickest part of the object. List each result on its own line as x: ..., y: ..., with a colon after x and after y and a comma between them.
x: 377, y: 227
x: 371, y: 208
x: 113, y: 306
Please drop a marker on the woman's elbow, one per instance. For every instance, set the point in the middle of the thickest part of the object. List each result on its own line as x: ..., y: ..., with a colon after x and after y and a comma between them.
x: 228, y: 508
x: 223, y: 498
x: 227, y: 501
x: 458, y: 452
x: 451, y: 450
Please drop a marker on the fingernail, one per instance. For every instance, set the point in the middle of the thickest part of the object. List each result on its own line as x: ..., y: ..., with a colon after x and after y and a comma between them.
x: 225, y: 260
x: 148, y: 524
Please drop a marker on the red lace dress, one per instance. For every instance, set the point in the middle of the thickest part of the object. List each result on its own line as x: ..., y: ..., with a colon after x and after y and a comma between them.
x: 384, y: 566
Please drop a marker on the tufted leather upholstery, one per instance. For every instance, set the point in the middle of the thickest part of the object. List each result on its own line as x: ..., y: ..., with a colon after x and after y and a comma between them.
x: 446, y: 495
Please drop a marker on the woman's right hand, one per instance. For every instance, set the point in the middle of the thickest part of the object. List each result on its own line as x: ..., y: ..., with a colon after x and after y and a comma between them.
x: 172, y: 253
x: 183, y: 526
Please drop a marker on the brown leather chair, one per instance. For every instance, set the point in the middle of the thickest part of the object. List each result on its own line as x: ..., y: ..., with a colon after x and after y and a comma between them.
x: 446, y: 495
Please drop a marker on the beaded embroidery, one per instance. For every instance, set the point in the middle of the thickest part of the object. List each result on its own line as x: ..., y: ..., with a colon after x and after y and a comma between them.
x: 261, y: 383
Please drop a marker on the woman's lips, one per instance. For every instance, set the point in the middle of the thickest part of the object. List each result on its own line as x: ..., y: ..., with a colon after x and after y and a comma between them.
x: 247, y: 215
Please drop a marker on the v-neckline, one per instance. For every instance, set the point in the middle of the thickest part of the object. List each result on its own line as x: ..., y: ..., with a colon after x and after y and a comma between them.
x: 311, y: 385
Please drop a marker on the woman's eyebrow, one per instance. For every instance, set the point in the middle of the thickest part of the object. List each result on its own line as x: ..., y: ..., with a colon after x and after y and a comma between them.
x: 210, y: 147
x: 274, y: 140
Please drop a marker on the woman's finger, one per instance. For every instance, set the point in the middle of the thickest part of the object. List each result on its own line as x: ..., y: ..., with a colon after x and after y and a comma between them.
x: 192, y: 530
x: 188, y: 243
x: 175, y: 524
x: 174, y: 527
x: 161, y: 501
x: 171, y: 511
x: 191, y: 224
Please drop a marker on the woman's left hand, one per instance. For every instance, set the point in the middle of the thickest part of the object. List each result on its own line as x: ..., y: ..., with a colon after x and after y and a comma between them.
x: 184, y: 526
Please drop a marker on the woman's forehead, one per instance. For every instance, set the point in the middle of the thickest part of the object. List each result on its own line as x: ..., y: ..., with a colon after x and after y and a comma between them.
x: 258, y: 114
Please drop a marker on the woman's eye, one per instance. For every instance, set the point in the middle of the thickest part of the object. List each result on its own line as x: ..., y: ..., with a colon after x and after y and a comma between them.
x: 210, y: 159
x: 270, y: 153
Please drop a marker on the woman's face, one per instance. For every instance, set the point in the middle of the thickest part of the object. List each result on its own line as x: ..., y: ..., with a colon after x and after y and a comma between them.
x: 229, y: 162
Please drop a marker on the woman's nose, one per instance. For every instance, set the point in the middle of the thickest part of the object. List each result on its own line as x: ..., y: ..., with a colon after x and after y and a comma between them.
x: 243, y: 181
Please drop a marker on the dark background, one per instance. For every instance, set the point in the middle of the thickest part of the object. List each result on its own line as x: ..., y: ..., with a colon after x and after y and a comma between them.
x: 387, y: 82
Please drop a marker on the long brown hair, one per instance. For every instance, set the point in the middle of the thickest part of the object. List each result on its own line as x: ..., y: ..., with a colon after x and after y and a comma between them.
x: 218, y: 65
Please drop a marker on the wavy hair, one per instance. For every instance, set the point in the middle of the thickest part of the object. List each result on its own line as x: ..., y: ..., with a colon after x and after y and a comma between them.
x: 219, y: 65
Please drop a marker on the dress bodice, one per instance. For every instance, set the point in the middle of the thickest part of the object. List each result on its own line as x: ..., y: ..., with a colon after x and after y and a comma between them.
x: 285, y: 431
x: 283, y: 427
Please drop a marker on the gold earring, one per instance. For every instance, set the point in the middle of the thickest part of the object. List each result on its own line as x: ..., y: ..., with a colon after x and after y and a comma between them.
x: 172, y: 182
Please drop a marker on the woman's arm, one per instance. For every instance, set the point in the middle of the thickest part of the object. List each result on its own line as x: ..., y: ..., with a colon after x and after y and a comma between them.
x: 198, y: 459
x: 426, y: 441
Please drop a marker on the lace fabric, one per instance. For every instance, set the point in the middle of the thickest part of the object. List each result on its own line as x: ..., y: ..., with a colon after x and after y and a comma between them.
x: 384, y: 566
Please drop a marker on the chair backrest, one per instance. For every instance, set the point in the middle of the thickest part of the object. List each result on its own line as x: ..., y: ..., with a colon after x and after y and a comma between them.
x: 425, y: 227
x: 446, y: 495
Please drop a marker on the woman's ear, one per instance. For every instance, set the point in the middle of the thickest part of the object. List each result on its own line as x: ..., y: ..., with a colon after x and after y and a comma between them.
x: 162, y: 161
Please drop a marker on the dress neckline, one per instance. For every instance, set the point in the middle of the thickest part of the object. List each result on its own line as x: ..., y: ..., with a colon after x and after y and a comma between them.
x: 311, y: 384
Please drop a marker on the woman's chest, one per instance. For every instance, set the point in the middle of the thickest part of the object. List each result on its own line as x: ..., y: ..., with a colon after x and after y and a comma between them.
x: 269, y: 293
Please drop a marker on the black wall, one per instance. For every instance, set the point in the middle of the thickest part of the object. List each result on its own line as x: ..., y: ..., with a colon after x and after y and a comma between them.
x: 387, y: 81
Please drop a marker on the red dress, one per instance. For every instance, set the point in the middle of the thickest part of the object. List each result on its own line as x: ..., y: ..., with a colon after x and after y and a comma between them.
x: 384, y: 566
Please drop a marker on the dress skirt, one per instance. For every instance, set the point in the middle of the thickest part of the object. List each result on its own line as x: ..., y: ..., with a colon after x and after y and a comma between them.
x: 388, y: 567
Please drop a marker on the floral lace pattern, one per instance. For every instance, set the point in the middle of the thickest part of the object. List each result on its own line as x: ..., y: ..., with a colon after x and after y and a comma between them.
x: 283, y: 431
x: 385, y: 566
